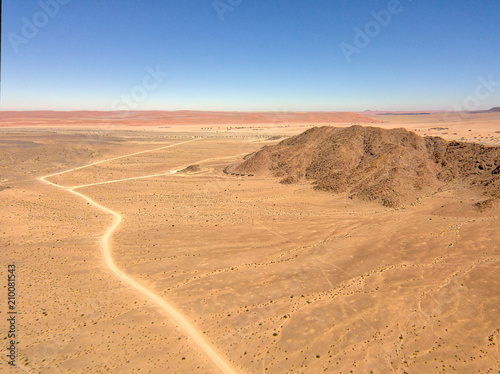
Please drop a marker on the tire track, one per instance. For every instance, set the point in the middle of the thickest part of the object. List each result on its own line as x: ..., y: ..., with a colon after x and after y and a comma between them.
x: 219, y: 360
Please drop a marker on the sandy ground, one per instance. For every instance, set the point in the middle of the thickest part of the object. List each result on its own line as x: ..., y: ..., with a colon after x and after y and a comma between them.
x: 483, y: 128
x: 277, y: 278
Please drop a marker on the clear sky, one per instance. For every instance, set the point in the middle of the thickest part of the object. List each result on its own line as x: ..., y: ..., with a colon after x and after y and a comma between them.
x: 250, y: 54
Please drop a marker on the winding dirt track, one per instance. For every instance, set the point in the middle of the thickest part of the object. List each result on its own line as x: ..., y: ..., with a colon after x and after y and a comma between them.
x: 191, y: 331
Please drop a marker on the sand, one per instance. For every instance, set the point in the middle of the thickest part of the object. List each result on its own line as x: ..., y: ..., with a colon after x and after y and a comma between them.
x: 277, y: 277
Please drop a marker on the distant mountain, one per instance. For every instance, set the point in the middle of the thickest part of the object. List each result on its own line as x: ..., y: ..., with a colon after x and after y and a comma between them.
x: 492, y: 110
x: 393, y: 167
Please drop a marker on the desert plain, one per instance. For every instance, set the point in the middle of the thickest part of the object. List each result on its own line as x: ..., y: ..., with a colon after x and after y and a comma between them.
x: 275, y: 278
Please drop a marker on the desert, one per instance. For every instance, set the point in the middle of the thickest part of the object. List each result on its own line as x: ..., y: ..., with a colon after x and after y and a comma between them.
x: 190, y: 241
x: 241, y: 187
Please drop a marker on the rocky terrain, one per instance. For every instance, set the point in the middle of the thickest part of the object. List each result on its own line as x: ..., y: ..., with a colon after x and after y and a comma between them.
x: 393, y: 167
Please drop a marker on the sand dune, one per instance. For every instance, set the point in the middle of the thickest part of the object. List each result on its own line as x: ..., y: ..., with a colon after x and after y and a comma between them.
x: 177, y: 118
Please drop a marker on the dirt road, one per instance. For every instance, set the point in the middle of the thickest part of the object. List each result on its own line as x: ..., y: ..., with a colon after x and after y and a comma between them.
x: 190, y: 330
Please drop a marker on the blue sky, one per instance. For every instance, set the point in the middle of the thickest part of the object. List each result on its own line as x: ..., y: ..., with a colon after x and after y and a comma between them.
x: 251, y: 55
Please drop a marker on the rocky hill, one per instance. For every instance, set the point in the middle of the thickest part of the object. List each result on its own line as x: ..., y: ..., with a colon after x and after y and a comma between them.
x: 393, y: 167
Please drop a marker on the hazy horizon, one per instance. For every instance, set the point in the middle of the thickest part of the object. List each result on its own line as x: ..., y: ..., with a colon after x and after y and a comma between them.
x: 250, y: 56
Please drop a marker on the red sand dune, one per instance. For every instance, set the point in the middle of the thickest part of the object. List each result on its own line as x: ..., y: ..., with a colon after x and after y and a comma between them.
x: 183, y: 117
